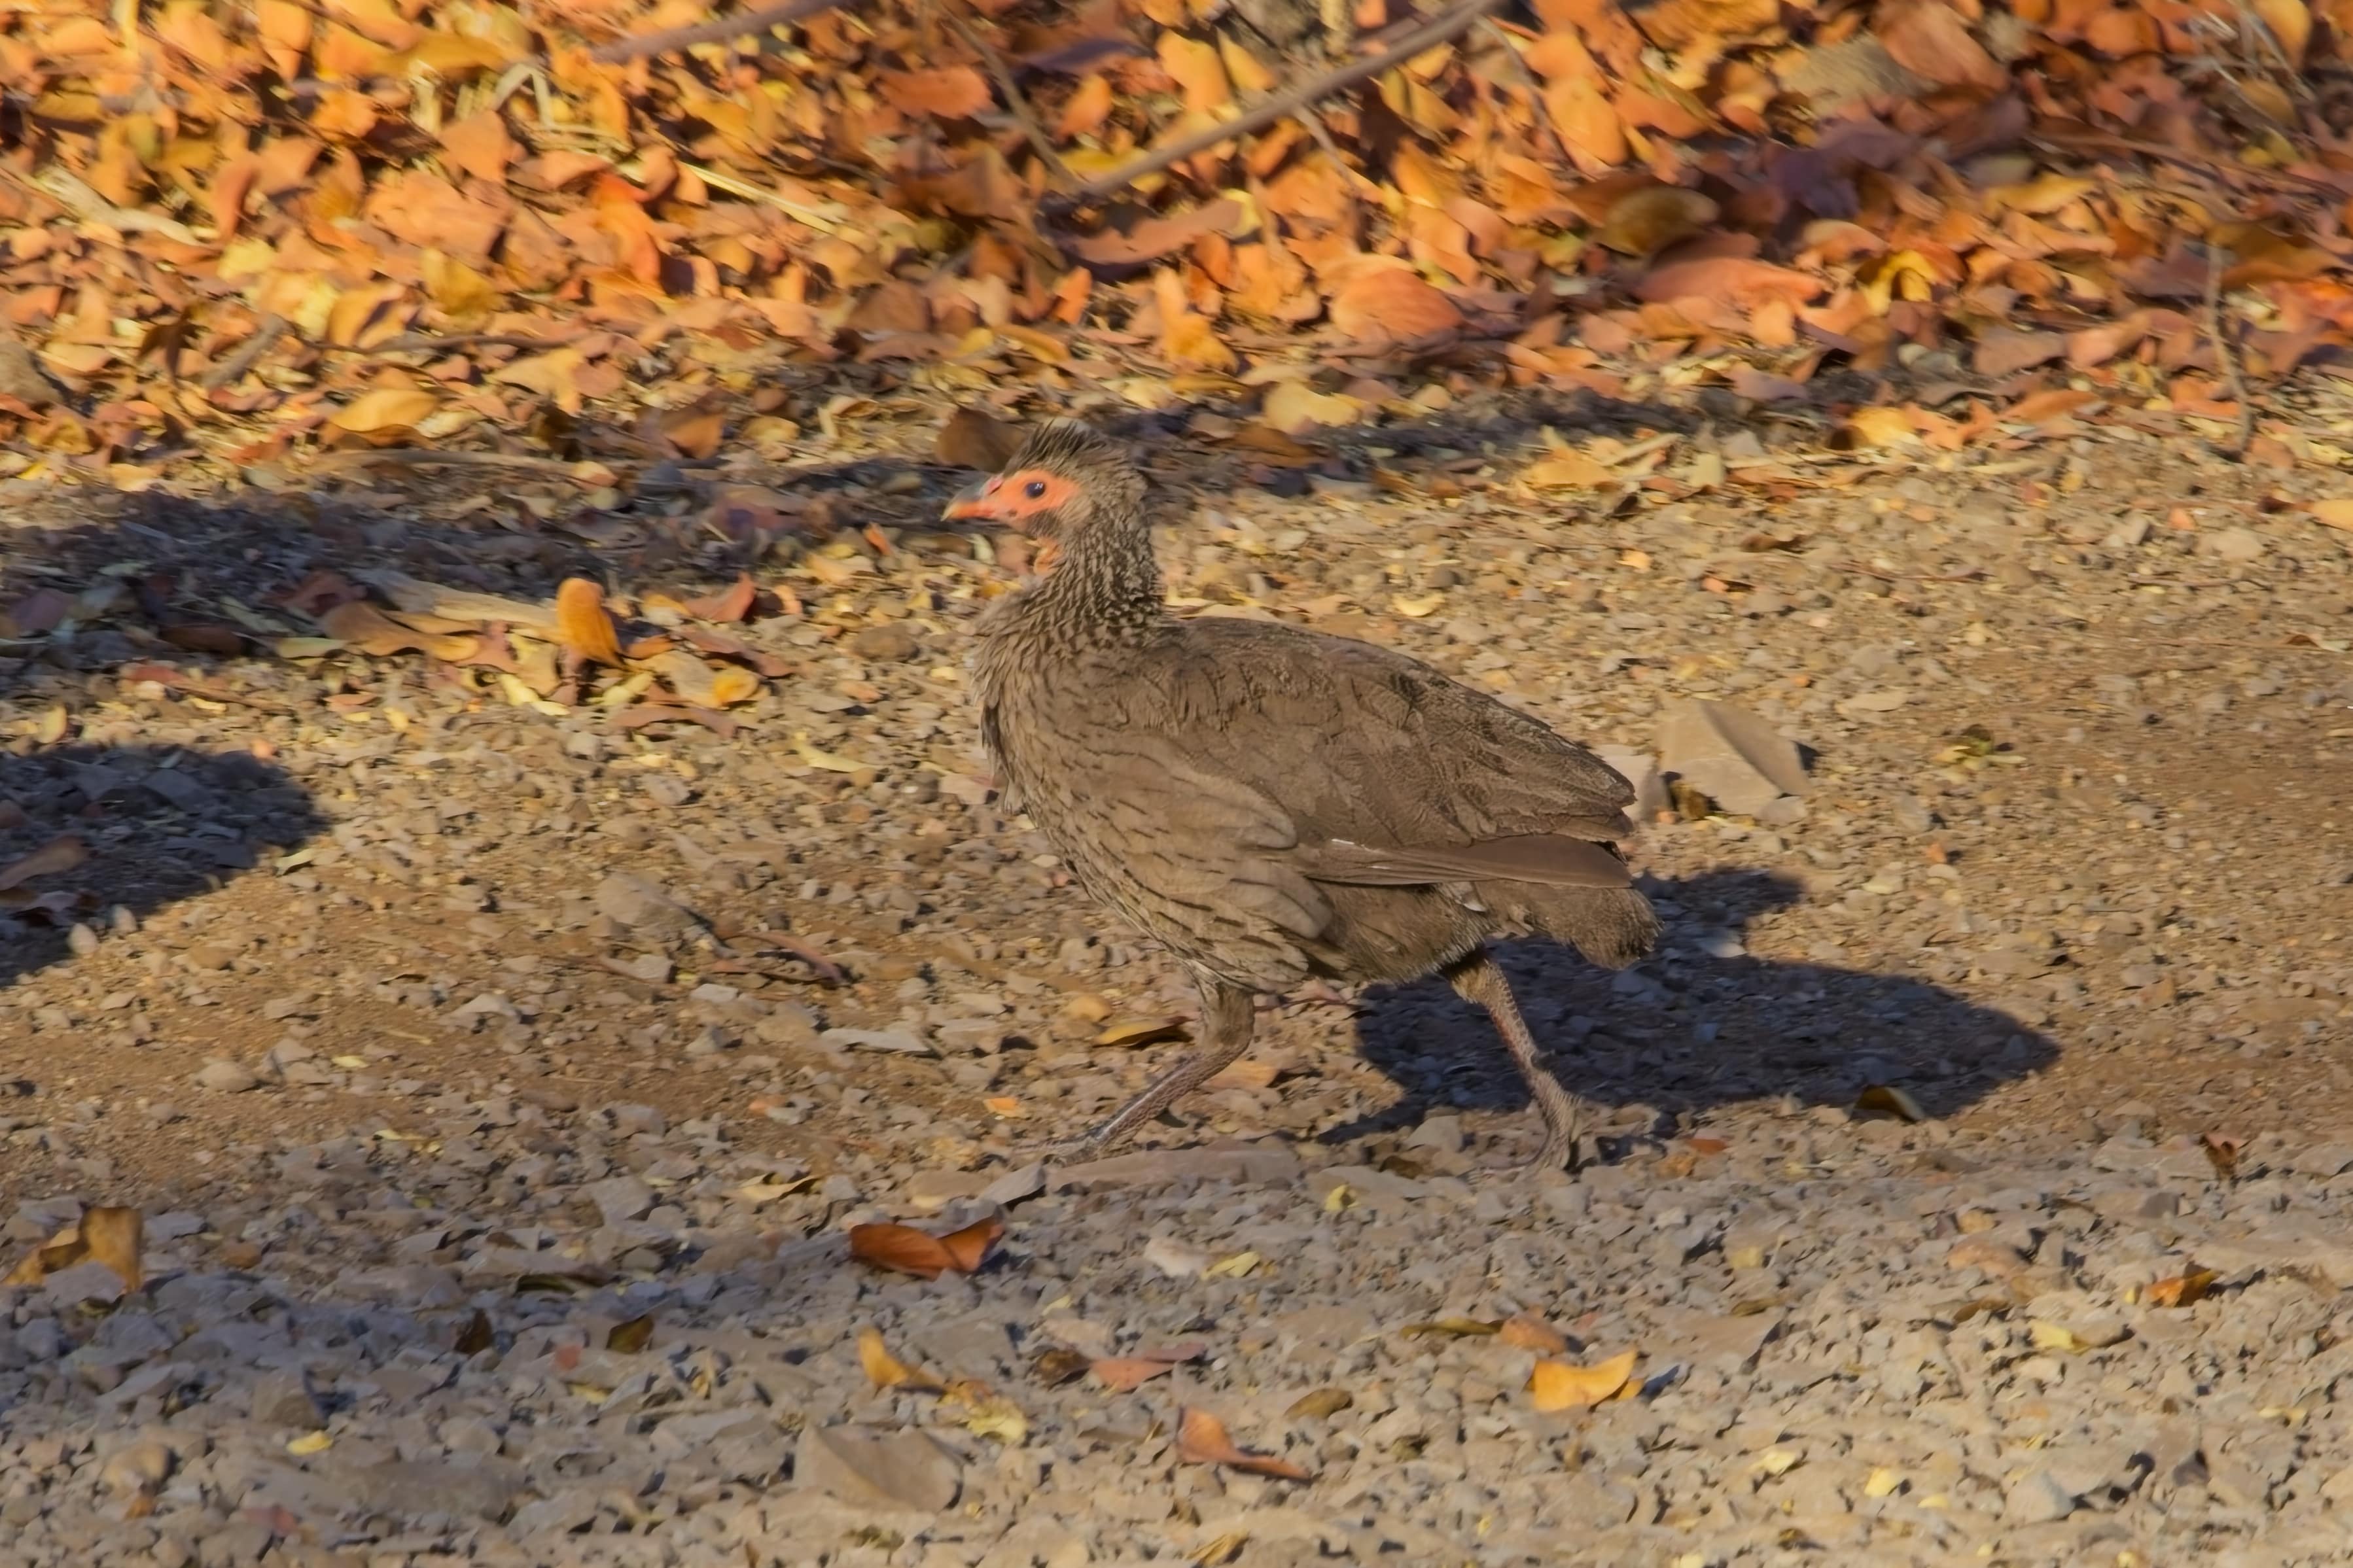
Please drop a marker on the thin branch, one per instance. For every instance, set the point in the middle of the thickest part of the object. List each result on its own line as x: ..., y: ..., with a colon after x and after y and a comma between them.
x: 741, y: 25
x: 230, y: 371
x: 1285, y: 104
x: 2225, y: 357
x: 1519, y: 68
x: 1041, y: 143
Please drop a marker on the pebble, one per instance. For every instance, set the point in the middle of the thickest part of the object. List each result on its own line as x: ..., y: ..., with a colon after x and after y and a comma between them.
x: 227, y: 1078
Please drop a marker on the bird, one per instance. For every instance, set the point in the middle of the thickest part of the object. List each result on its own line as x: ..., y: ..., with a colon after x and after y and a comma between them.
x: 1274, y: 804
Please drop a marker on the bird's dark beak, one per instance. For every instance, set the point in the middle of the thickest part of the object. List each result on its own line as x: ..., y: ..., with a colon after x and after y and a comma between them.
x: 973, y: 504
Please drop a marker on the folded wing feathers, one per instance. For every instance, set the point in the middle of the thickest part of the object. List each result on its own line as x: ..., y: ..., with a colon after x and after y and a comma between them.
x: 1549, y: 859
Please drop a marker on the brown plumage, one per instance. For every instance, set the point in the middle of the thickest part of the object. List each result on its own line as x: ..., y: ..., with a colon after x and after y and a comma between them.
x: 1271, y: 803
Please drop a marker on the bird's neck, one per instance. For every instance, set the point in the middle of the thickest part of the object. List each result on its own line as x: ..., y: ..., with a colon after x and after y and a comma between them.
x: 1105, y: 587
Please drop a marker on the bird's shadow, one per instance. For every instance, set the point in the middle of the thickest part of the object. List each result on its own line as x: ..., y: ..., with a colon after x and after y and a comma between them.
x: 1701, y: 1024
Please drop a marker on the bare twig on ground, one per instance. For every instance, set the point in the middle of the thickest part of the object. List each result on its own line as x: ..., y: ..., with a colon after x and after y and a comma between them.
x: 230, y: 371
x: 1289, y: 102
x: 1526, y: 79
x: 2226, y: 357
x: 1019, y: 105
x: 741, y: 25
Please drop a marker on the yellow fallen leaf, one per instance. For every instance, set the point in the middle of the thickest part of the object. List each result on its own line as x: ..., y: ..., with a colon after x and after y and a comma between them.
x: 831, y: 762
x: 386, y: 409
x: 2335, y: 514
x: 349, y: 1064
x: 1415, y: 609
x: 2051, y: 1336
x: 1233, y: 1267
x: 1004, y: 1105
x: 1879, y: 426
x: 884, y: 1370
x: 1556, y: 1386
x: 1568, y: 470
x: 1293, y: 406
x: 1140, y: 1031
x: 1882, y: 1482
x: 310, y: 1443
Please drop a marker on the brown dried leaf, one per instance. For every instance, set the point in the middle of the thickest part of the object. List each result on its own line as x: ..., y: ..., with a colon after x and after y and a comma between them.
x: 971, y: 439
x: 385, y: 410
x: 1201, y: 1440
x: 728, y: 604
x: 911, y: 1251
x: 1379, y: 303
x: 1121, y: 1374
x: 1928, y: 38
x: 947, y: 92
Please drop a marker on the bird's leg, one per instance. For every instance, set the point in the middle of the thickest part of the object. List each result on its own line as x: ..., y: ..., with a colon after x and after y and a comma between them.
x: 1226, y: 1023
x: 1478, y: 978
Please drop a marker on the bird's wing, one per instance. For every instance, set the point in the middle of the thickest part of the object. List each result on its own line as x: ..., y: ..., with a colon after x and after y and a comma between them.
x: 1386, y: 771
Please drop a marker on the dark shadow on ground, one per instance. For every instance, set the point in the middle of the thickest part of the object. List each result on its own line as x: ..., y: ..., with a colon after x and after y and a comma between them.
x: 129, y: 828
x: 1642, y: 1038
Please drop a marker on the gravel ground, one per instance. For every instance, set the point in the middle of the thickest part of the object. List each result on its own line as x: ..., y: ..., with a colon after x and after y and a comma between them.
x: 499, y: 1088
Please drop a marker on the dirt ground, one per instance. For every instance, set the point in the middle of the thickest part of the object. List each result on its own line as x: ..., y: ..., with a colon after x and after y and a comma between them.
x: 2073, y: 868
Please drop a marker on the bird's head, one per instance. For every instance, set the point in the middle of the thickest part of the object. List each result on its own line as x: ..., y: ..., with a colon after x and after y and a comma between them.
x: 1064, y: 486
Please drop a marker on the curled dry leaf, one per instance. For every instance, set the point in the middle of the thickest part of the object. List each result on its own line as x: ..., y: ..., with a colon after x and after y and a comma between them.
x: 1557, y: 1385
x: 1201, y: 1440
x: 113, y: 1237
x: 728, y: 604
x: 582, y: 625
x: 911, y: 1251
x: 1141, y: 1031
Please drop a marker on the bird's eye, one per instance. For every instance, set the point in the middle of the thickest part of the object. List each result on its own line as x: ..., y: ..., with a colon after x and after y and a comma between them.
x: 1035, y: 489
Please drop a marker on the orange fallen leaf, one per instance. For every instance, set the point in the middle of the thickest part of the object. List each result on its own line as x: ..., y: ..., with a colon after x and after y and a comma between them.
x: 1385, y: 303
x: 582, y: 625
x: 1201, y: 1440
x: 385, y: 409
x: 1557, y: 1385
x: 1121, y: 1375
x: 947, y: 93
x: 2183, y: 1290
x: 728, y: 604
x: 911, y: 1251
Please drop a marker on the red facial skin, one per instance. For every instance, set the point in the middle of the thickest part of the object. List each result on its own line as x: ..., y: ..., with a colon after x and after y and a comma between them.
x: 1007, y: 499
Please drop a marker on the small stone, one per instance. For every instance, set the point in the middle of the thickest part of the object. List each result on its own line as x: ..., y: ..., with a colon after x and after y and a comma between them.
x: 970, y: 1036
x: 889, y: 643
x: 1729, y: 754
x: 905, y: 1470
x: 1261, y: 1166
x: 82, y: 939
x: 619, y: 1199
x: 1443, y: 1133
x: 226, y: 1078
x: 2036, y: 1498
x: 898, y: 1041
x: 2239, y: 544
x: 138, y: 1470
x: 286, y: 1399
x: 639, y: 904
x: 789, y: 1025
